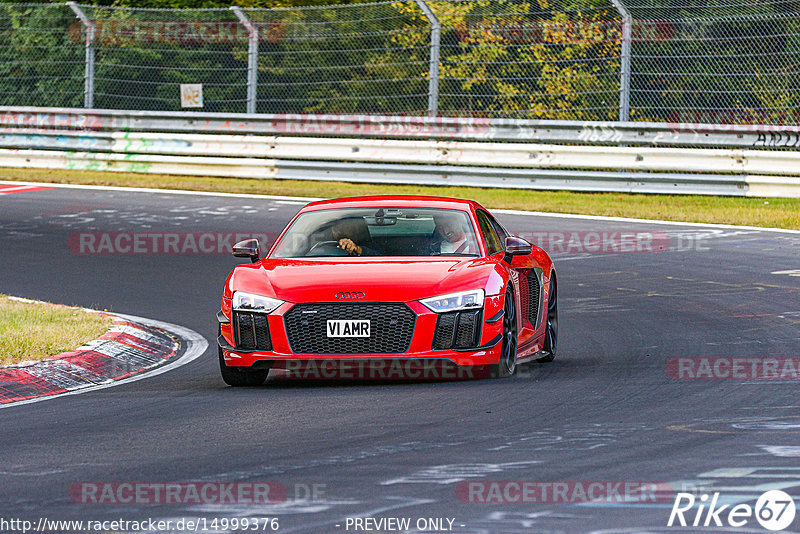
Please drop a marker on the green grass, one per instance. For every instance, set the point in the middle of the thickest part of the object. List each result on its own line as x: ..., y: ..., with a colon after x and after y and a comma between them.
x: 772, y: 212
x: 34, y: 331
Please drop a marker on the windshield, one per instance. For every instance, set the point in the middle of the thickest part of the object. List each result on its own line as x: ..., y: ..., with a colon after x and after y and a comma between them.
x: 379, y: 232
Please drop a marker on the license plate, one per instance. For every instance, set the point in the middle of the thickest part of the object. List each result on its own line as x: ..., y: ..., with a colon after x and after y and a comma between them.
x: 348, y: 328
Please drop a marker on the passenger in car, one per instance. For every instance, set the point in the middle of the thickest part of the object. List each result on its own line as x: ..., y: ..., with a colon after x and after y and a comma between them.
x: 449, y: 237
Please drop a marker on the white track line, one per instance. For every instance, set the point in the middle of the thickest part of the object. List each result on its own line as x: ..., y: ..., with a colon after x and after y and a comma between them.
x: 644, y: 221
x: 507, y: 212
x: 164, y: 191
x: 195, y: 346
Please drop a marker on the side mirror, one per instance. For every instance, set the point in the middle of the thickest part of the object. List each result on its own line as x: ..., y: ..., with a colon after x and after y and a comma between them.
x: 247, y: 249
x: 516, y: 246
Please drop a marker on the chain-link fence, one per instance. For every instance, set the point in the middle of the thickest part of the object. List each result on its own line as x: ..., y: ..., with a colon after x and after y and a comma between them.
x: 721, y: 61
x: 724, y: 61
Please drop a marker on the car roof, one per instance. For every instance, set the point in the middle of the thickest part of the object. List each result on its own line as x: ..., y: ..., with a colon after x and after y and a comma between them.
x: 411, y: 201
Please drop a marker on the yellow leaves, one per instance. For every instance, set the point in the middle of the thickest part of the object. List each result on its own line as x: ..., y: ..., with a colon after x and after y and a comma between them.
x: 498, y: 57
x: 507, y: 89
x: 409, y: 38
x: 473, y: 65
x: 452, y: 13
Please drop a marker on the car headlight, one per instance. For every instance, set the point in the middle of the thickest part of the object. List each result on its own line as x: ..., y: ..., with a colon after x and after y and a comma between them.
x: 463, y: 300
x: 254, y: 303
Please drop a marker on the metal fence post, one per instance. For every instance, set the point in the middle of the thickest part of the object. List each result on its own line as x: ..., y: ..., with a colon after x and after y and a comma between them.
x: 252, y: 59
x: 88, y: 77
x: 625, y: 62
x: 436, y: 36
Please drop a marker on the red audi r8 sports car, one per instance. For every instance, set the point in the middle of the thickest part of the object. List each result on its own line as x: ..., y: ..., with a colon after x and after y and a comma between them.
x: 400, y: 278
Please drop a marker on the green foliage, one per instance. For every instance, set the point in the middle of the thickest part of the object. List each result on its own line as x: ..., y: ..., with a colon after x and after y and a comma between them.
x: 719, y: 62
x: 39, y: 63
x: 206, y: 4
x: 705, y: 61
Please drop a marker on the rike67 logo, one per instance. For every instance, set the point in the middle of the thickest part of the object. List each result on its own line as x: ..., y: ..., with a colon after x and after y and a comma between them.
x: 774, y: 510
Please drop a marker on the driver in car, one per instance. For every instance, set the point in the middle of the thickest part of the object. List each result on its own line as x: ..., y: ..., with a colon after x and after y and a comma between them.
x: 350, y: 232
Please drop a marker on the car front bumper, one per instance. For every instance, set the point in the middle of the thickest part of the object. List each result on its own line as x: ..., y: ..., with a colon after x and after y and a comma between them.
x: 419, y: 353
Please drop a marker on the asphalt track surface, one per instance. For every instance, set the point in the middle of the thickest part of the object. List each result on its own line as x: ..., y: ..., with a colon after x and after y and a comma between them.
x: 605, y: 410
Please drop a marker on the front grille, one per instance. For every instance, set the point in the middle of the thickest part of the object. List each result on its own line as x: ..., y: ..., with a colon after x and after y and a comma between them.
x: 533, y: 298
x: 391, y: 328
x: 457, y: 330
x: 251, y: 331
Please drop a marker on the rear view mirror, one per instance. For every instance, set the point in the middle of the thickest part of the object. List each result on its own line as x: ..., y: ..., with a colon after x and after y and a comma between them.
x: 247, y: 249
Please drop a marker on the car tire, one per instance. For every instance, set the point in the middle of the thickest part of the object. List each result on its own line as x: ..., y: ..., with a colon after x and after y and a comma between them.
x: 235, y: 377
x: 551, y: 330
x: 239, y: 378
x: 507, y: 365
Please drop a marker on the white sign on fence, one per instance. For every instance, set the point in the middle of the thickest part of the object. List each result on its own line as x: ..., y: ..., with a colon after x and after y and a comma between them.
x: 191, y: 95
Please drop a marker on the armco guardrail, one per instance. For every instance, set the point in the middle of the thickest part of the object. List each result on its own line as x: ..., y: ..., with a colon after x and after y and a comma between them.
x: 403, y: 127
x: 77, y: 140
x: 546, y: 179
x: 513, y: 155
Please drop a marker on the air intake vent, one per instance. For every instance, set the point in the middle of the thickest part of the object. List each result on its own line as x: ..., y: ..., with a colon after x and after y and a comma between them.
x: 457, y: 330
x: 534, y: 296
x: 251, y: 331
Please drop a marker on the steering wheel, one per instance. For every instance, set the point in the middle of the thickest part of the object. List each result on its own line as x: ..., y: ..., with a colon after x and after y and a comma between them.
x: 330, y: 248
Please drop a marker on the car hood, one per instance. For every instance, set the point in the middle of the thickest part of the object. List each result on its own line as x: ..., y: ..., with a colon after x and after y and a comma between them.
x: 393, y: 280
